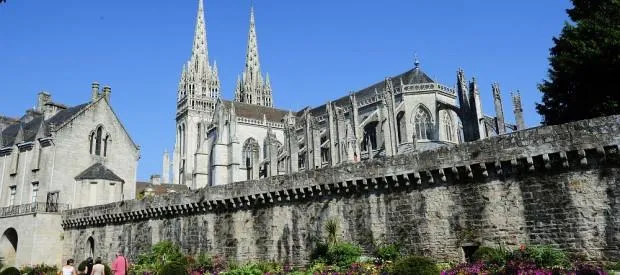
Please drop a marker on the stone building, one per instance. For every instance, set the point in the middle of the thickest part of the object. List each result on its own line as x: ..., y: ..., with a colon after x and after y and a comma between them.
x: 57, y: 157
x: 220, y: 141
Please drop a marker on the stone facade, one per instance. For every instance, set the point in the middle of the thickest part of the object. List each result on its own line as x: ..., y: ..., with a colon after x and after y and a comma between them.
x: 57, y: 157
x: 552, y: 185
x: 220, y: 142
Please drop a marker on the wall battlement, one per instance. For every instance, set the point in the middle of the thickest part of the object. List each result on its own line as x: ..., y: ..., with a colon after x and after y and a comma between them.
x: 555, y: 184
x: 543, y: 149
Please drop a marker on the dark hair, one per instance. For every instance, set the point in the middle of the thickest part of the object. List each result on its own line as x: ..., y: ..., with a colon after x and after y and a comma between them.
x: 69, y: 261
x: 89, y: 260
x: 98, y: 260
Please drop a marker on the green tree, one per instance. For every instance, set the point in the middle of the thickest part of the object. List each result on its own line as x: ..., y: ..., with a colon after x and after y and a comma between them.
x: 584, y: 65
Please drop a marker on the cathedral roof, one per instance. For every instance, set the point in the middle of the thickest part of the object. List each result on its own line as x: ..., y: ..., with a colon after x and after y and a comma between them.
x: 413, y: 76
x: 159, y: 189
x: 256, y: 111
x: 31, y: 123
x: 98, y: 171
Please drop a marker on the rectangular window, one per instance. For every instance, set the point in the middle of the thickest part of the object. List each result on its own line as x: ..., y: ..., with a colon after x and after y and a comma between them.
x: 35, y: 191
x: 13, y: 191
x: 14, y: 161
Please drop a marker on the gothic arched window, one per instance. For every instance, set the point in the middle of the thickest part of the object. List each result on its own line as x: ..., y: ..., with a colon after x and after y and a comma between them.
x: 250, y: 156
x: 370, y: 136
x: 91, y: 140
x: 423, y: 125
x: 98, y: 140
x: 401, y: 127
x: 106, y: 143
x: 447, y: 125
x: 199, y: 138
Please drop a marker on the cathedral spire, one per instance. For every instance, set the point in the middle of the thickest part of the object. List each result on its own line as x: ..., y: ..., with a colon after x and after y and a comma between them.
x: 200, y: 34
x: 252, y: 88
x: 252, y: 64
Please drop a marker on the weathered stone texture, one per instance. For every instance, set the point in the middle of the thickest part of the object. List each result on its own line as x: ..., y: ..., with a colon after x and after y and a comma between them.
x: 554, y: 185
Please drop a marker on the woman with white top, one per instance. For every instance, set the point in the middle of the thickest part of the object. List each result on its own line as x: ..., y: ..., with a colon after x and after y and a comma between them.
x: 68, y: 269
x: 98, y: 268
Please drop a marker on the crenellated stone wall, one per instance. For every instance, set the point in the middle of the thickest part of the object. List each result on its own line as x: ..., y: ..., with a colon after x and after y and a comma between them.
x: 554, y: 185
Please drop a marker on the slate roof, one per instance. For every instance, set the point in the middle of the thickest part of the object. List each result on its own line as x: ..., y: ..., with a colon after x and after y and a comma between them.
x: 98, y: 171
x: 413, y: 76
x: 159, y: 189
x: 6, y: 121
x: 256, y: 112
x: 31, y: 127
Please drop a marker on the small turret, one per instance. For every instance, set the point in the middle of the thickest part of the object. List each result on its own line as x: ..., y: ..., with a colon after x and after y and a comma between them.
x: 499, y: 110
x: 518, y: 110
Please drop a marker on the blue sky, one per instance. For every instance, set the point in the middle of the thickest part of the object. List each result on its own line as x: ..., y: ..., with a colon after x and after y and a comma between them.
x: 314, y: 51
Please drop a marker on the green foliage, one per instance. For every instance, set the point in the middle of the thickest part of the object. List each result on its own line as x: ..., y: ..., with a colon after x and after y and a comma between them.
x: 205, y: 261
x: 490, y: 255
x: 388, y: 252
x: 545, y: 256
x: 41, y: 269
x: 249, y: 269
x: 10, y: 271
x: 612, y: 266
x: 319, y: 252
x: 331, y: 228
x: 161, y: 254
x: 415, y: 265
x: 266, y: 267
x: 584, y: 65
x: 172, y: 268
x: 343, y: 254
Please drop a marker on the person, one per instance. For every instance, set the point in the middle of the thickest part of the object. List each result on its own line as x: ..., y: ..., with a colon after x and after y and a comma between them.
x: 119, y: 265
x: 88, y: 269
x: 68, y: 269
x: 98, y: 268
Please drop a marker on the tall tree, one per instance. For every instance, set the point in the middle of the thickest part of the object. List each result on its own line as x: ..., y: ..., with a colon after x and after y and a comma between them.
x: 584, y: 73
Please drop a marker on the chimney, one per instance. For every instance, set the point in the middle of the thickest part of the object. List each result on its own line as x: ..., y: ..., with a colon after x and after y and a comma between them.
x: 94, y: 92
x: 106, y: 92
x: 42, y: 99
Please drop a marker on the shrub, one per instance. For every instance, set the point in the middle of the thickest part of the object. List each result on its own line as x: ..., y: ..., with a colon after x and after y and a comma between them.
x: 10, y: 271
x: 319, y: 252
x: 547, y: 256
x: 414, y: 265
x: 160, y: 254
x: 172, y: 268
x: 41, y: 269
x: 615, y: 266
x: 332, y: 227
x: 343, y: 254
x: 249, y: 269
x: 267, y: 267
x: 490, y: 255
x: 389, y: 252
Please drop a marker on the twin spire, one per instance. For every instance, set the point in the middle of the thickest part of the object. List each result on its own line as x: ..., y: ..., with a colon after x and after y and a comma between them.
x: 200, y: 81
x: 251, y: 88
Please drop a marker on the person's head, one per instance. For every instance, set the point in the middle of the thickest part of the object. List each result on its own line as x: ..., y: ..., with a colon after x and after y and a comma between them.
x: 89, y: 260
x: 119, y: 253
x: 98, y: 260
x: 70, y: 262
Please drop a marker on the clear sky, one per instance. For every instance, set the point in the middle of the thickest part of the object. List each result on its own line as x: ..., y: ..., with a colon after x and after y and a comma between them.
x: 314, y: 51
